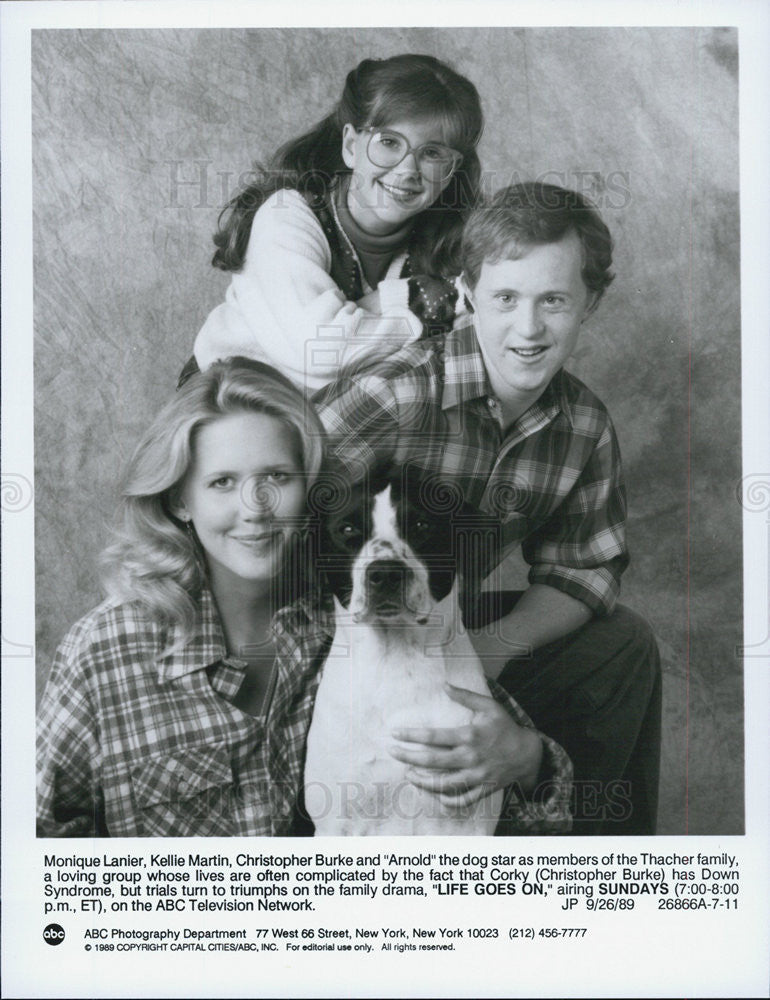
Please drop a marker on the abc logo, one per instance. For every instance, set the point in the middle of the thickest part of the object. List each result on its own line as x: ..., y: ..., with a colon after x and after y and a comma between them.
x: 53, y: 934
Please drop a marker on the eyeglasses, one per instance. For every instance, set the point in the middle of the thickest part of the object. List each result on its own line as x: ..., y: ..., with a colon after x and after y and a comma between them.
x: 434, y: 160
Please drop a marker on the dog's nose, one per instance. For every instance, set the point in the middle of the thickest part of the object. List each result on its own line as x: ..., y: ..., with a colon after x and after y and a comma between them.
x: 387, y: 576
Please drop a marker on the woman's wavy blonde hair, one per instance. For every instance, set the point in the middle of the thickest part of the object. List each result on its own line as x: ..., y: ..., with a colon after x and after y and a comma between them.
x: 153, y: 559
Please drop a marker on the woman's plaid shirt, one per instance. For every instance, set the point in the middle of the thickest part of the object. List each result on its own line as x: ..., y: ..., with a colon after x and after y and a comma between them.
x: 553, y: 483
x: 133, y: 743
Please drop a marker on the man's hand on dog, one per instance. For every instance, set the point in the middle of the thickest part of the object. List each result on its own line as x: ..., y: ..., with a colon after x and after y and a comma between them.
x: 462, y: 765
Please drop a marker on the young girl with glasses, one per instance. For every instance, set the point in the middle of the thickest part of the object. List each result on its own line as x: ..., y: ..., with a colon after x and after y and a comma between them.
x: 345, y: 245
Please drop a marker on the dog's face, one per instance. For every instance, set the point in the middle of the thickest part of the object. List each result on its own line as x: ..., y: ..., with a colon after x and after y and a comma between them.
x: 389, y: 582
x: 388, y: 557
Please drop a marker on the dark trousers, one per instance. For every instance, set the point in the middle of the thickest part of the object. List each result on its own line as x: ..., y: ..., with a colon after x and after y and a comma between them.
x: 597, y: 692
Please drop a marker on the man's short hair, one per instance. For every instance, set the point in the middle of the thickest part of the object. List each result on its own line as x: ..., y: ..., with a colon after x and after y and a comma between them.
x: 532, y: 214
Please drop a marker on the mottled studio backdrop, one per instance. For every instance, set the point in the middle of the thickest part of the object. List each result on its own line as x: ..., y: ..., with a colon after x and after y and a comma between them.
x: 139, y: 137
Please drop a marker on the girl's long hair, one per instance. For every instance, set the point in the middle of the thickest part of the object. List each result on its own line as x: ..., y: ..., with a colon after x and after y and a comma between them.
x: 154, y: 559
x: 378, y: 92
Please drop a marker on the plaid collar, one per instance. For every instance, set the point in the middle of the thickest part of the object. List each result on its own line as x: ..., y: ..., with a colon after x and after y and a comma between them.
x: 307, y: 618
x: 466, y: 379
x: 205, y: 646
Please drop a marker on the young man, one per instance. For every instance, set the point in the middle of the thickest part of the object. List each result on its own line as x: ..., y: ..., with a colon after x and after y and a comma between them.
x: 490, y: 412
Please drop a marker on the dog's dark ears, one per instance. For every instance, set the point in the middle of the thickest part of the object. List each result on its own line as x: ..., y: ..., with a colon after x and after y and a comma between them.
x: 437, y: 495
x: 473, y: 538
x: 341, y: 487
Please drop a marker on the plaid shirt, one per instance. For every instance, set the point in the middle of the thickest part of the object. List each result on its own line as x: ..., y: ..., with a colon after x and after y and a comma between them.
x: 552, y: 483
x: 132, y: 743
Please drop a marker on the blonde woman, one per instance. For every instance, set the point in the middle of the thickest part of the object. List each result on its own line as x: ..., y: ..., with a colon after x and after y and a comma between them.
x: 180, y: 705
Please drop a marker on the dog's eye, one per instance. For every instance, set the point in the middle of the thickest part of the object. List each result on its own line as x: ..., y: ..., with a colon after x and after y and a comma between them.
x: 419, y: 528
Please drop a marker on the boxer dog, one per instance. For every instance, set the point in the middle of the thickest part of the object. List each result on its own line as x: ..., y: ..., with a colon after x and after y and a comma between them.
x: 398, y: 639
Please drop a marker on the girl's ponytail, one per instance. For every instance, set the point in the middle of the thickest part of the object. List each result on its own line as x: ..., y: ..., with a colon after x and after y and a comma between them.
x: 308, y: 164
x: 234, y: 223
x: 436, y: 243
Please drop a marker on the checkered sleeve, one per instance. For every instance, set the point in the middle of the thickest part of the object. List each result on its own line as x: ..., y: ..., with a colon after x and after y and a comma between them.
x: 547, y: 810
x: 69, y: 800
x: 581, y: 550
x: 361, y: 417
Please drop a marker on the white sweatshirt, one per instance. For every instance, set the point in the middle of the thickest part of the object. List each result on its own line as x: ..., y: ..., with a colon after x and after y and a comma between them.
x: 283, y: 307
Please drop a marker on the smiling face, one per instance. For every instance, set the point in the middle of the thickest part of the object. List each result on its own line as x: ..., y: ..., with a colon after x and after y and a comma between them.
x: 245, y: 495
x: 382, y: 199
x: 527, y: 314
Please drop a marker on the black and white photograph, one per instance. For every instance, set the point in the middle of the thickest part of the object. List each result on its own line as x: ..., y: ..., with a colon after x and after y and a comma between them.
x: 388, y: 390
x: 140, y: 139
